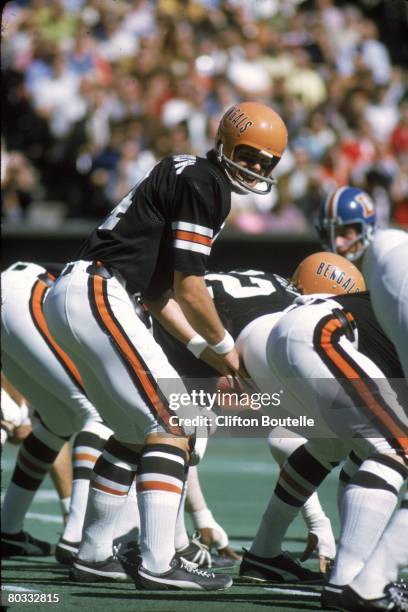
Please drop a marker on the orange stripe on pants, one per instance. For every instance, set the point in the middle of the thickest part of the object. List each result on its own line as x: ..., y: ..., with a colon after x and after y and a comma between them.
x: 130, y: 354
x: 359, y: 384
x: 37, y: 301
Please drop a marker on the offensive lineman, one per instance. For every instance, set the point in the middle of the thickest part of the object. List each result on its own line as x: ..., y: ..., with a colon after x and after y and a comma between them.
x: 155, y: 241
x: 44, y: 374
x: 249, y: 302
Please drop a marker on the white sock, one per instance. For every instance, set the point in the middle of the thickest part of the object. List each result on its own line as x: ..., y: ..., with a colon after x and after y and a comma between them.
x: 158, y: 515
x: 87, y: 447
x: 99, y: 525
x: 294, y: 487
x: 390, y: 554
x: 127, y: 528
x: 160, y: 479
x: 181, y: 540
x: 271, y: 531
x: 34, y: 460
x: 111, y: 479
x: 365, y: 513
x: 79, y: 500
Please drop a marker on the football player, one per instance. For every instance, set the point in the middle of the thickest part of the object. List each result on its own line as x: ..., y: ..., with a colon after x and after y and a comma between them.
x: 385, y: 269
x: 347, y: 222
x: 156, y: 243
x: 249, y: 302
x: 336, y: 349
x: 37, y: 367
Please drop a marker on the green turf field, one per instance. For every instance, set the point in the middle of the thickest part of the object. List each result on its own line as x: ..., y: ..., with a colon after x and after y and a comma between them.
x: 237, y: 477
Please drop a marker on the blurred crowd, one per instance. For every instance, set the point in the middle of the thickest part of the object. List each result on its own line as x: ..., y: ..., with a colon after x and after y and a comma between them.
x: 96, y: 91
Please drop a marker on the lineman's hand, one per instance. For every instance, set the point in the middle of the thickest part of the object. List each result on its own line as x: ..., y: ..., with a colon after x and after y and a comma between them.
x: 311, y: 545
x: 211, y: 538
x: 224, y: 364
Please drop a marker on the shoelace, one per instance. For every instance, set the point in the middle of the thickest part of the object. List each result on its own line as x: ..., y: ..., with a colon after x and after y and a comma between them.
x: 399, y: 595
x: 203, y: 555
x: 192, y: 568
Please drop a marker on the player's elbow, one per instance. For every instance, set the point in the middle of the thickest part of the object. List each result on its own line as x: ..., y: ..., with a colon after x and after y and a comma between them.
x: 188, y: 289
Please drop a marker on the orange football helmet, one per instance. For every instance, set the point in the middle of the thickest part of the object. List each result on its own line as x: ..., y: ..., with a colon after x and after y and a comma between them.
x: 325, y: 272
x: 258, y: 130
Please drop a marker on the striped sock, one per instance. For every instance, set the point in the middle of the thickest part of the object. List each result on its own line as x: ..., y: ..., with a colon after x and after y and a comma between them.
x: 112, y: 476
x: 87, y: 447
x: 34, y: 460
x: 160, y: 479
x: 300, y: 475
x: 368, y: 504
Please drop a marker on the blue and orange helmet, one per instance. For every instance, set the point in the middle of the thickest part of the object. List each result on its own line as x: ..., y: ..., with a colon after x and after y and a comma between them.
x: 347, y: 206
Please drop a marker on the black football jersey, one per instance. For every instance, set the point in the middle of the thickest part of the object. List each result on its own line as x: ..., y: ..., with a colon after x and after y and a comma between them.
x: 239, y: 297
x: 167, y: 222
x: 242, y: 296
x: 372, y: 341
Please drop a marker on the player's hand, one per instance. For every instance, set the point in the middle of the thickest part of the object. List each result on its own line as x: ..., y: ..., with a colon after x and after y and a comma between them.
x: 311, y: 546
x: 224, y: 364
x: 210, y: 538
x: 227, y: 551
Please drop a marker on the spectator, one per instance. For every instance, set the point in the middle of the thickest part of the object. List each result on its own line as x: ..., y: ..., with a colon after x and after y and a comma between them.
x: 97, y: 90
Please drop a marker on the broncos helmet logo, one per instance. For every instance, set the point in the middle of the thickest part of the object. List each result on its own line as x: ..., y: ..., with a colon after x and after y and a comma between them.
x: 366, y: 204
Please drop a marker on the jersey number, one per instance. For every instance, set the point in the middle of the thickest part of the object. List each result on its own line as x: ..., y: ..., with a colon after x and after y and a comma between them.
x: 234, y: 287
x: 117, y: 212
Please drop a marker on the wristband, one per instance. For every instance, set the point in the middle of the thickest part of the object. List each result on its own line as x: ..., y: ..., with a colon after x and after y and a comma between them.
x: 204, y: 518
x: 225, y: 345
x: 197, y: 345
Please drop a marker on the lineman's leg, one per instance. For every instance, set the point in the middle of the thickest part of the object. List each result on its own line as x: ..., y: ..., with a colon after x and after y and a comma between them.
x: 36, y: 455
x: 348, y: 469
x: 390, y: 555
x: 87, y: 447
x: 301, y: 474
x: 309, y: 343
x: 282, y: 444
x: 368, y: 503
x: 61, y: 476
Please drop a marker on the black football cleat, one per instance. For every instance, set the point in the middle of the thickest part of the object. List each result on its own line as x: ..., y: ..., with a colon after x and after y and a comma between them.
x: 182, y: 576
x: 66, y: 551
x: 280, y: 569
x: 395, y: 599
x: 113, y: 569
x: 22, y: 544
x: 332, y: 597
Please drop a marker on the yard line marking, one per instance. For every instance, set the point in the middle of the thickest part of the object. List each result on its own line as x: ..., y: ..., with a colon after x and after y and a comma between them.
x: 44, y: 518
x: 42, y: 497
x: 8, y: 464
x: 240, y: 466
x: 45, y: 495
x: 20, y: 589
x: 279, y: 591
